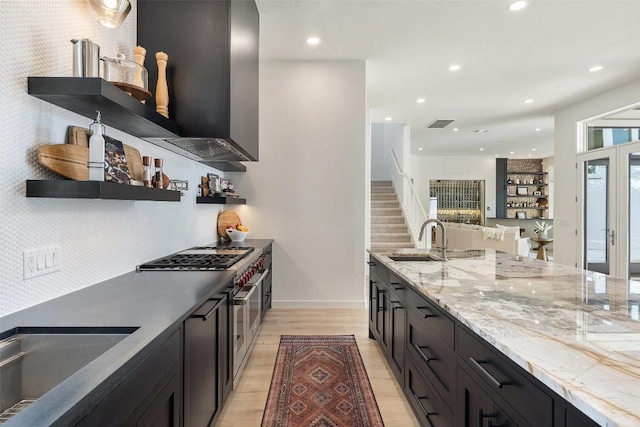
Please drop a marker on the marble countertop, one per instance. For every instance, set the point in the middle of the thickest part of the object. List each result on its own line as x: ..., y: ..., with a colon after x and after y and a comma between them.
x: 576, y: 331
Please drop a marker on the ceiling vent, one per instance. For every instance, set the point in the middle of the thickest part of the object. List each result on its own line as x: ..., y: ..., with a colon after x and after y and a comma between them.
x: 481, y: 130
x: 439, y: 124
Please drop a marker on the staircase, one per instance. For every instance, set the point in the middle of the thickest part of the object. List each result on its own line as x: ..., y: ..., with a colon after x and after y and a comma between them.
x: 388, y: 228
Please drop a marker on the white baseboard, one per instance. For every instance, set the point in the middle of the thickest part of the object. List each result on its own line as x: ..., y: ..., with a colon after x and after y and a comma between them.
x: 318, y: 304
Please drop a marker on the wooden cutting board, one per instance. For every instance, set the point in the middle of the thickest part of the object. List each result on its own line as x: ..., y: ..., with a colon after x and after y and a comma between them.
x: 68, y: 160
x: 226, y: 219
x: 80, y: 136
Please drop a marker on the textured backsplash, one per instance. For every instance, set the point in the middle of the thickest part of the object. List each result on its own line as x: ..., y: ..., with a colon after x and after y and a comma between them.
x: 99, y: 238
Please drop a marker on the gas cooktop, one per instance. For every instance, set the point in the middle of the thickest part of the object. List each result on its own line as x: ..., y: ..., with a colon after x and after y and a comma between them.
x: 205, y: 258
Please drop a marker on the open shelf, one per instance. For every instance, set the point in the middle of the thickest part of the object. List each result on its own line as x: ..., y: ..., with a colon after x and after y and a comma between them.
x: 527, y: 173
x: 221, y: 200
x: 69, y: 189
x: 85, y: 95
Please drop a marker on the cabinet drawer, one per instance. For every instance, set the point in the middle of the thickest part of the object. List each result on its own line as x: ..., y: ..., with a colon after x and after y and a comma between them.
x: 427, y: 405
x: 432, y: 317
x: 376, y: 268
x: 398, y: 286
x: 503, y: 378
x: 435, y: 358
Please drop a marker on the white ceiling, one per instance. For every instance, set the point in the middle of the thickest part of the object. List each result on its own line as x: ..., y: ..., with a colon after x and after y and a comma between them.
x: 542, y: 52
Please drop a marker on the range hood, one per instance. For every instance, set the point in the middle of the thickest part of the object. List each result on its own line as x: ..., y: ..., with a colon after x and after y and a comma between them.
x: 212, y: 74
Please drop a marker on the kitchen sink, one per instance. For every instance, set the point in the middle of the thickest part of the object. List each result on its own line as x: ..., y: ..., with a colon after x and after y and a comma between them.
x: 411, y: 254
x: 34, y: 360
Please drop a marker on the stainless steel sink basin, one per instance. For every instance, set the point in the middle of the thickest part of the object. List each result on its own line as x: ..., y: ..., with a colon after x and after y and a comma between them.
x: 411, y: 254
x: 35, y: 360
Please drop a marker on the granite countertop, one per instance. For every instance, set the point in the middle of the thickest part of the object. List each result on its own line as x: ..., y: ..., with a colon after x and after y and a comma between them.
x: 575, y: 330
x: 154, y: 302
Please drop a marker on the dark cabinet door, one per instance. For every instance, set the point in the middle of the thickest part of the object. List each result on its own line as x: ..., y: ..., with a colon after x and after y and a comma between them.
x: 476, y: 408
x: 397, y: 326
x: 206, y: 341
x: 429, y: 408
x: 225, y: 348
x: 164, y: 409
x: 373, y: 307
x: 382, y: 316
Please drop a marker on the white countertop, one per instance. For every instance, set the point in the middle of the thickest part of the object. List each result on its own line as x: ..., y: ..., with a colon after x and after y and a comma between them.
x: 576, y: 331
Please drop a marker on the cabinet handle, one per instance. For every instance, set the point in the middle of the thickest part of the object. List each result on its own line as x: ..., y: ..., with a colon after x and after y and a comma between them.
x: 424, y: 410
x: 425, y: 312
x: 422, y: 353
x: 397, y: 286
x: 205, y: 316
x: 396, y: 305
x: 371, y: 263
x: 477, y: 365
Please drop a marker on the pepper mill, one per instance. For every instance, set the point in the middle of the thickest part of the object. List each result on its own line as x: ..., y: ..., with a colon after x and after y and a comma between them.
x: 139, y: 54
x: 162, y: 91
x: 146, y: 162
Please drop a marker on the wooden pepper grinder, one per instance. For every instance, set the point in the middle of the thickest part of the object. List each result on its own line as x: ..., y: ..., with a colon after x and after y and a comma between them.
x: 139, y: 54
x: 162, y: 91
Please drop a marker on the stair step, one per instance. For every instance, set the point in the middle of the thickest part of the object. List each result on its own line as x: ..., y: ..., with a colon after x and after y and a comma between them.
x: 381, y: 184
x: 381, y: 219
x: 392, y: 245
x: 389, y: 228
x: 390, y: 237
x: 386, y: 212
x: 385, y: 204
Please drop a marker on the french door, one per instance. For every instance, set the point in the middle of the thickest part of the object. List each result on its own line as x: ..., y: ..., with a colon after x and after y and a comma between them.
x: 611, y: 210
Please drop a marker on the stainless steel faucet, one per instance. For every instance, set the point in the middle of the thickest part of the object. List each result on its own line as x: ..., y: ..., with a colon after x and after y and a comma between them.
x: 444, y: 232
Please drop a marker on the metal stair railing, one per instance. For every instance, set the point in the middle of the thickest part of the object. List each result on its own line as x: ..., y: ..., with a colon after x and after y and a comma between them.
x: 412, y: 208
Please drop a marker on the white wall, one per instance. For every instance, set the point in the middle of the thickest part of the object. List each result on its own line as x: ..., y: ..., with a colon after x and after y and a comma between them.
x: 99, y: 238
x: 380, y: 163
x: 425, y: 168
x: 567, y: 213
x: 308, y: 190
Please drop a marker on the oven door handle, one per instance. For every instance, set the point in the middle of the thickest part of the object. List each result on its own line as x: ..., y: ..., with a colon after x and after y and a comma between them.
x: 264, y: 274
x: 243, y: 300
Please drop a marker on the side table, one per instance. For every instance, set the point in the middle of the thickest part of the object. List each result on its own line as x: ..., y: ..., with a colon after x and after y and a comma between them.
x: 542, y: 252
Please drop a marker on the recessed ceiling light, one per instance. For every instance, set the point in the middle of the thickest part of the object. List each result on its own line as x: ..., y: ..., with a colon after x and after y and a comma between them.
x: 313, y: 40
x: 388, y: 118
x: 530, y: 155
x: 517, y: 5
x: 482, y: 149
x: 421, y: 100
x: 511, y: 152
x: 528, y: 101
x: 596, y: 68
x: 456, y: 129
x: 537, y: 129
x: 454, y: 67
x: 533, y: 149
x: 420, y: 148
x: 497, y: 155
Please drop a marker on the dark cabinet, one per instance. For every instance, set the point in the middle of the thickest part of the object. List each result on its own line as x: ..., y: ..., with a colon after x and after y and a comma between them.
x: 212, y: 72
x: 150, y: 395
x: 208, y: 374
x: 476, y: 408
x: 423, y: 398
x: 451, y: 376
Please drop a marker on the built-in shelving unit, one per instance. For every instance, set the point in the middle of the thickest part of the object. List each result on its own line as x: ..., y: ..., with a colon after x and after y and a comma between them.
x: 69, y: 189
x: 85, y: 95
x: 521, y: 189
x: 221, y: 200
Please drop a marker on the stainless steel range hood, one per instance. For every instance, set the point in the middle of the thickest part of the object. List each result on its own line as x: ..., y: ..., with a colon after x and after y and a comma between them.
x: 204, y: 149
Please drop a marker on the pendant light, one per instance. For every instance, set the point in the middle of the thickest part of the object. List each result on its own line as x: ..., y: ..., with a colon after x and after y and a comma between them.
x: 111, y: 13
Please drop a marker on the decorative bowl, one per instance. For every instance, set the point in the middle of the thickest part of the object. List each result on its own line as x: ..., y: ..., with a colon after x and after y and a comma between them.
x: 236, y: 235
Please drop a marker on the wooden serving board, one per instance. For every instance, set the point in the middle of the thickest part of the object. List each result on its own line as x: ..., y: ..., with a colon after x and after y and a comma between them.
x: 80, y: 136
x: 226, y: 219
x: 68, y: 160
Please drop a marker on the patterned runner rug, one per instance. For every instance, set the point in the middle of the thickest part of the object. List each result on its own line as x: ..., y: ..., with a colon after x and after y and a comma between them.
x: 320, y: 381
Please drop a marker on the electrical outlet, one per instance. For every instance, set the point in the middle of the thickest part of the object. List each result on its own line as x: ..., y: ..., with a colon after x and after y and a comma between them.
x: 40, y: 261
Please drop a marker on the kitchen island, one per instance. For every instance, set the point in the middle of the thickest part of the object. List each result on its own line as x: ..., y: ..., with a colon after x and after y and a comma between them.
x: 152, y: 307
x: 574, y: 333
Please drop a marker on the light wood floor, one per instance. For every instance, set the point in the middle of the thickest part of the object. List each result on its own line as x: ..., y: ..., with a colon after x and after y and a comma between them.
x: 246, y: 403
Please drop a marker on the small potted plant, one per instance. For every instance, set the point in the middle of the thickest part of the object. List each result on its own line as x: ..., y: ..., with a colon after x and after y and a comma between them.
x: 542, y: 229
